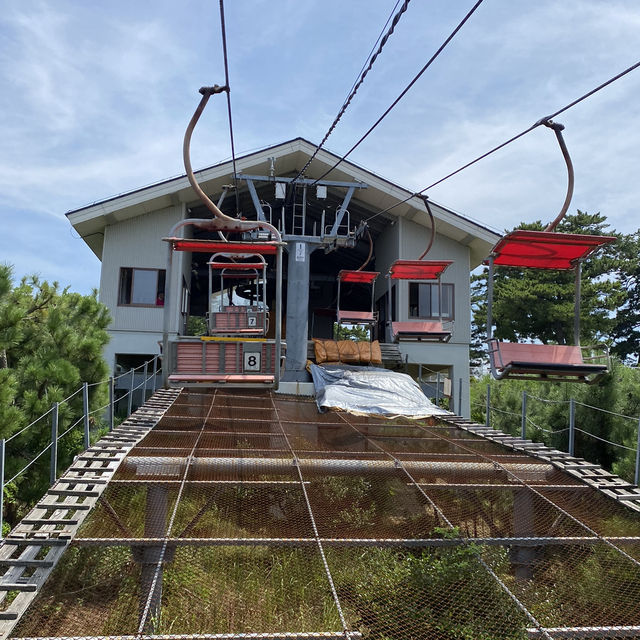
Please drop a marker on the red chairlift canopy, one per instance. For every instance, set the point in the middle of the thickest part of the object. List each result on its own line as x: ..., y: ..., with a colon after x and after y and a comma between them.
x: 418, y: 269
x: 218, y: 246
x: 546, y: 249
x: 237, y: 266
x: 366, y: 277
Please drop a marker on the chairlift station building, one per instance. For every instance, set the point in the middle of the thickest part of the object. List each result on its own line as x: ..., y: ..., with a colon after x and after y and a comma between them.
x: 320, y: 224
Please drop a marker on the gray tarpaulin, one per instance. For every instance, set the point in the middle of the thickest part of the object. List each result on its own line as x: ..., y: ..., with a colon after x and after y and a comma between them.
x: 365, y: 390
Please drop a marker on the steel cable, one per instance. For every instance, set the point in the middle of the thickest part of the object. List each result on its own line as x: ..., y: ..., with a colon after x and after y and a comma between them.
x: 405, y: 90
x: 228, y: 92
x: 512, y: 139
x: 359, y: 80
x: 614, y: 444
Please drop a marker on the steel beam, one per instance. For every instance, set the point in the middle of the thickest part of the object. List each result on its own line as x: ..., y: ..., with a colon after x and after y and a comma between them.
x: 421, y: 543
x: 340, y: 213
x: 254, y: 198
x: 584, y: 632
x: 302, y: 181
x: 171, y: 466
x: 283, y: 635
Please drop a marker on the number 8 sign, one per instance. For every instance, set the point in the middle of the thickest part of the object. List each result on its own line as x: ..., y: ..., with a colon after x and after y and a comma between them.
x: 252, y: 361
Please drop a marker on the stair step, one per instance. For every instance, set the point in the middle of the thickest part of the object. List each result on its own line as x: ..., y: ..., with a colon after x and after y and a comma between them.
x: 18, y: 562
x: 8, y: 615
x: 18, y: 586
x: 50, y: 521
x: 576, y: 466
x: 74, y: 492
x: 92, y: 469
x: 36, y: 542
x: 61, y: 505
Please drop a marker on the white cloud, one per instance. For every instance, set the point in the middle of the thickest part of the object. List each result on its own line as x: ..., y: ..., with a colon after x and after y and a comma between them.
x: 97, y: 97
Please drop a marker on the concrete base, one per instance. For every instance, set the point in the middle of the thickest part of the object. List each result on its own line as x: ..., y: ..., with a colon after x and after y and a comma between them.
x: 297, y: 388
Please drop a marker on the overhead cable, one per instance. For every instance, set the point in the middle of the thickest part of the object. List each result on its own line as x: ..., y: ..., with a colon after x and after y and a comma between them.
x: 540, y: 122
x: 228, y: 92
x: 405, y: 90
x: 371, y: 58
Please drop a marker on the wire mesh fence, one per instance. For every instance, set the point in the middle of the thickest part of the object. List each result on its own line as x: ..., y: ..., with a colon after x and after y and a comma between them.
x: 248, y: 513
x: 570, y: 438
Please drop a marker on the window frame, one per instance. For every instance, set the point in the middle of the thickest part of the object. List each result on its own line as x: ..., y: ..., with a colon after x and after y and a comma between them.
x: 445, y: 286
x: 133, y: 270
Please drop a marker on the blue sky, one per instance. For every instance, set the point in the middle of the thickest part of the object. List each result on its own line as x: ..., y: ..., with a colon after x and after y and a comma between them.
x: 95, y: 98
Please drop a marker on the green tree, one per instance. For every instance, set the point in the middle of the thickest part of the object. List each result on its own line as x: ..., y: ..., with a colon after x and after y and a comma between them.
x: 477, y: 348
x: 351, y: 332
x: 626, y: 332
x: 51, y: 341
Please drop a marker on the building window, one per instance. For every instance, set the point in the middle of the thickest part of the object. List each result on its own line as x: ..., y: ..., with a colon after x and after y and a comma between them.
x: 424, y: 301
x: 141, y: 287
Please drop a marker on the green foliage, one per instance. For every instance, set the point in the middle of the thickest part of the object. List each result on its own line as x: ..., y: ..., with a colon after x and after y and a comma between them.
x: 196, y: 326
x: 548, y: 414
x: 351, y: 332
x: 626, y: 331
x: 51, y: 341
x: 443, y: 593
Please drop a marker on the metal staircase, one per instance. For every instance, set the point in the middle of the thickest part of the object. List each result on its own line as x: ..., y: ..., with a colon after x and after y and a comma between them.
x: 31, y: 551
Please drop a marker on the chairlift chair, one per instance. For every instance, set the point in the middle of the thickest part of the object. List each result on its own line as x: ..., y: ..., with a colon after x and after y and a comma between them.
x: 222, y: 359
x: 348, y: 316
x: 245, y: 319
x: 551, y: 362
x: 425, y: 271
x: 547, y: 250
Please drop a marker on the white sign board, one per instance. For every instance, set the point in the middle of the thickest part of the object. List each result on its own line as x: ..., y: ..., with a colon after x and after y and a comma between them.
x: 252, y: 360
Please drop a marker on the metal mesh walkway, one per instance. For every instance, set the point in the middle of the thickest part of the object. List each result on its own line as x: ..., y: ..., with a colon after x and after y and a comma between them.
x: 252, y: 515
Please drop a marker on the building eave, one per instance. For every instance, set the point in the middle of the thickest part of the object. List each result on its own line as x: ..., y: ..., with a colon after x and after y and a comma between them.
x: 89, y: 221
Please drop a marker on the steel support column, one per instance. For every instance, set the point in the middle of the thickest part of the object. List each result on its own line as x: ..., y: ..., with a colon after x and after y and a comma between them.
x: 297, y: 325
x: 155, y: 526
x: 523, y: 557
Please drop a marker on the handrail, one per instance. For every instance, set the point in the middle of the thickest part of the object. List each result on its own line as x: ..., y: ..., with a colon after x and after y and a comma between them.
x: 75, y: 424
x: 83, y: 418
x: 573, y: 424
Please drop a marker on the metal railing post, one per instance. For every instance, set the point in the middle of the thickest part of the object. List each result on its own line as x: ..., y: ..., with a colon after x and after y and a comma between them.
x: 572, y: 426
x: 2, y: 442
x: 130, y: 398
x: 111, y: 394
x: 144, y: 384
x: 437, y: 389
x: 155, y: 372
x: 487, y: 417
x: 637, y: 475
x: 523, y: 424
x: 53, y: 472
x: 85, y: 413
x: 459, y: 396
